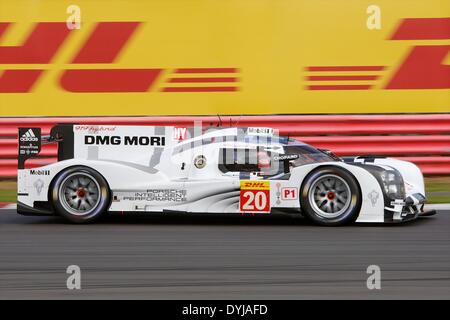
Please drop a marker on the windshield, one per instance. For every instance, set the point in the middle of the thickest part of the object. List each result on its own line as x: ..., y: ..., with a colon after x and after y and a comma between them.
x: 306, y: 154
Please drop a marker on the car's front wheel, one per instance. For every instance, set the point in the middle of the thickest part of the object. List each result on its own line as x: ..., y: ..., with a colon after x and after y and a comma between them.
x: 330, y: 196
x: 80, y: 194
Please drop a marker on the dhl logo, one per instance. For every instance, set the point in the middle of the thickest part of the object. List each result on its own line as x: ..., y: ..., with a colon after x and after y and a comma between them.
x: 422, y: 68
x: 255, y: 185
x: 102, y: 47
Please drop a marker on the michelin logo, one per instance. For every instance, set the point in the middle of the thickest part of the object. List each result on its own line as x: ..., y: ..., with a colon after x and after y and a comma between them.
x: 28, y: 136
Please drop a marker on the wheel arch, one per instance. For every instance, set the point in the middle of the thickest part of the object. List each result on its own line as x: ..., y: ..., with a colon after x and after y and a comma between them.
x: 313, y: 170
x: 333, y: 168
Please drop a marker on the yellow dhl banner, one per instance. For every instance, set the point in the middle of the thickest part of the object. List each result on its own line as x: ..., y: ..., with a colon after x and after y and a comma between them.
x: 179, y: 57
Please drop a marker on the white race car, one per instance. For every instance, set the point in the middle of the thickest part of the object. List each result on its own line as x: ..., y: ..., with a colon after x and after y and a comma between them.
x: 251, y: 170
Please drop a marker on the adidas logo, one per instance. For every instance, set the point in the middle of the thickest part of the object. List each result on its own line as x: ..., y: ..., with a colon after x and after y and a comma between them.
x: 28, y: 136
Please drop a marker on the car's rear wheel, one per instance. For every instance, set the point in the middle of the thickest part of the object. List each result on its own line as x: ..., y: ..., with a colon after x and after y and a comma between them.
x: 80, y: 194
x: 330, y: 196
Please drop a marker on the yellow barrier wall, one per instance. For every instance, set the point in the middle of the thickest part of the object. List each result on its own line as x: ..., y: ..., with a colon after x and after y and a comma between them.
x: 232, y: 56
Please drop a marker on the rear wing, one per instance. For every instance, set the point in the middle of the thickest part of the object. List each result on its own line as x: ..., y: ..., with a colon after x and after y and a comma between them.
x: 31, y: 141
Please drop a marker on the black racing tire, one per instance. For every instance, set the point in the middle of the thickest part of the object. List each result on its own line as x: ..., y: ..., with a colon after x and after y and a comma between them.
x: 83, y: 187
x: 328, y: 204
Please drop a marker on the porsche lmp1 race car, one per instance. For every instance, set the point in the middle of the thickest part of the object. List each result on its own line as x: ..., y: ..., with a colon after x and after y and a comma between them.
x: 167, y: 169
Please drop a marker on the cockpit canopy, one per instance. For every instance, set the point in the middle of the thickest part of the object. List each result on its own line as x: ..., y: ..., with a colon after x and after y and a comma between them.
x: 245, y: 150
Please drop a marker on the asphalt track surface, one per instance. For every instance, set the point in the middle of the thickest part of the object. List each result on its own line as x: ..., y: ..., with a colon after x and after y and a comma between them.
x: 177, y: 257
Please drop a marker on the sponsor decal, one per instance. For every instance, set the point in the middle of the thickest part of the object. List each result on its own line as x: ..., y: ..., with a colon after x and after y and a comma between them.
x: 127, y: 140
x: 29, y: 136
x: 94, y: 129
x: 256, y: 185
x: 38, y: 185
x: 398, y: 202
x: 160, y: 195
x: 254, y: 196
x: 200, y: 162
x: 38, y: 172
x: 289, y: 193
x: 253, y: 131
x: 179, y: 134
x: 373, y: 197
x: 29, y: 144
x: 278, y: 185
x: 286, y: 157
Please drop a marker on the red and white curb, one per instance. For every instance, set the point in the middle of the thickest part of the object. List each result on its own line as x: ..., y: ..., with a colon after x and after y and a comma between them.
x: 437, y: 206
x: 7, y: 205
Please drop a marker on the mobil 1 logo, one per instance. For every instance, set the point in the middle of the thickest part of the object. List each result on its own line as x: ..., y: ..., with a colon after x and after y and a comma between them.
x: 29, y: 144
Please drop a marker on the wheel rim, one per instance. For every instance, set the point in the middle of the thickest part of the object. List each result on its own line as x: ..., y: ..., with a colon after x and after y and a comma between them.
x: 330, y: 196
x: 79, y: 194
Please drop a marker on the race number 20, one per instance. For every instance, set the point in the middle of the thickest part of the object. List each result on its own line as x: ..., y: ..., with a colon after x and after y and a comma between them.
x: 255, y: 196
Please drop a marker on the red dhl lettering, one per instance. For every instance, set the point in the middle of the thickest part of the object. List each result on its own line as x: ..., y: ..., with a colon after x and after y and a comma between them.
x: 254, y: 185
x: 422, y: 68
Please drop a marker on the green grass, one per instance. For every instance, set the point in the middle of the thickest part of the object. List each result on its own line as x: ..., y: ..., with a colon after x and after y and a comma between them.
x: 440, y: 185
x: 437, y: 185
x: 433, y: 185
x: 438, y: 199
x: 8, y: 195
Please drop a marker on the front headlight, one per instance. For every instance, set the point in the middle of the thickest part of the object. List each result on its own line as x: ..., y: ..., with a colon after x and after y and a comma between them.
x: 392, y: 188
x: 393, y: 184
